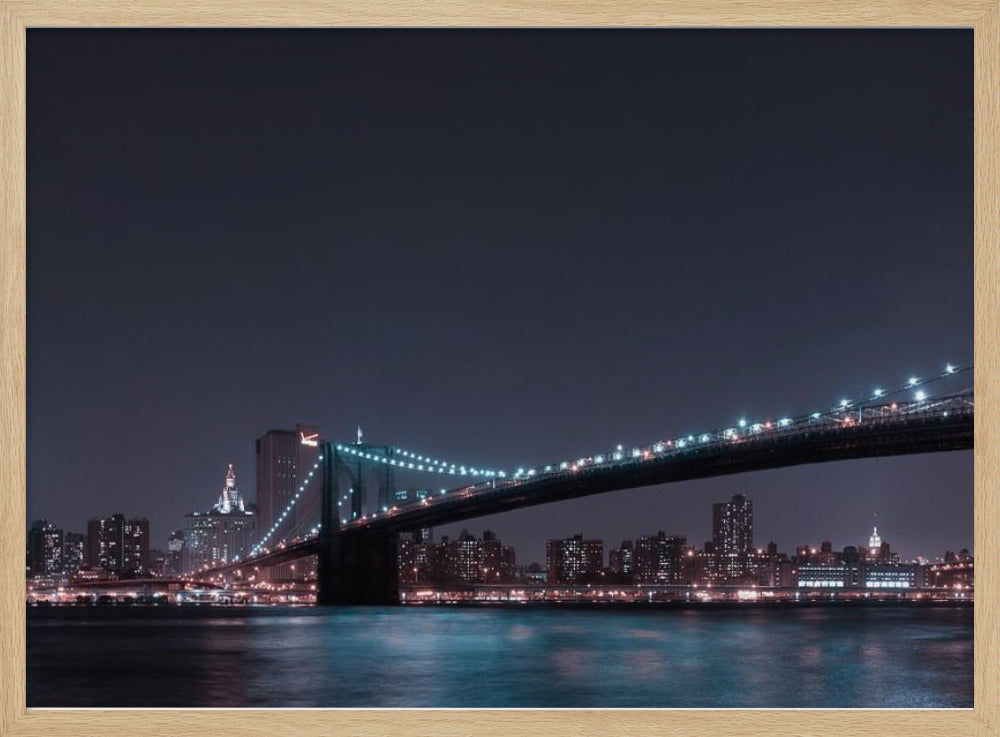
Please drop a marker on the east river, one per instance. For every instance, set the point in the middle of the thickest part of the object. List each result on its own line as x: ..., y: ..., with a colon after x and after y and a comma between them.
x: 846, y: 656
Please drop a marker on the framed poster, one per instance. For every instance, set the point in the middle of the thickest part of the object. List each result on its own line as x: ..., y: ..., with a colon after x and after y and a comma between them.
x: 580, y: 366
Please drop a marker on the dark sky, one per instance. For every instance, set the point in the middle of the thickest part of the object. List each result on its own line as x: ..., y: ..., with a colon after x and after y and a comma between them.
x: 498, y: 247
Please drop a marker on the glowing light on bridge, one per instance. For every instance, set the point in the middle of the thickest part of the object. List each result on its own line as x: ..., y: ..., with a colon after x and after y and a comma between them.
x: 409, y: 460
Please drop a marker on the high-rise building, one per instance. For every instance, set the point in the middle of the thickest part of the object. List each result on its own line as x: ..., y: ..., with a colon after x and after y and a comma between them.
x: 222, y: 533
x: 732, y: 525
x: 118, y: 545
x: 574, y: 560
x: 45, y: 548
x: 284, y: 460
x: 177, y: 558
x: 74, y: 545
x: 732, y: 535
x: 660, y: 558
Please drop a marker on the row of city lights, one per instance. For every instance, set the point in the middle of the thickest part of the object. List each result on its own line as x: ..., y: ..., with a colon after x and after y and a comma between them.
x: 281, y: 518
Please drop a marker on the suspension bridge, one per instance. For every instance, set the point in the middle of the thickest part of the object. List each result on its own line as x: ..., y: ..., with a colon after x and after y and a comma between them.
x: 356, y: 545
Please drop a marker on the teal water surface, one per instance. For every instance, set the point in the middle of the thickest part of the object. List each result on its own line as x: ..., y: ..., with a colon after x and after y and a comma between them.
x: 501, y: 657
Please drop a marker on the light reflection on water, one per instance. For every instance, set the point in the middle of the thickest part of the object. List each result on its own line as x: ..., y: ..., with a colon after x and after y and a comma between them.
x: 444, y: 657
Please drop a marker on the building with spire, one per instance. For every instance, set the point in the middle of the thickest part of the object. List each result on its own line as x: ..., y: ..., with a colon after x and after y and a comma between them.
x: 230, y: 499
x: 874, y: 542
x: 222, y: 533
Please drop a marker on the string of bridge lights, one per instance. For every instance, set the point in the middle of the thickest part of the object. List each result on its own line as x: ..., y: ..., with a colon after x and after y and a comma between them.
x: 288, y: 508
x: 409, y: 460
x: 417, y: 462
x: 743, y: 427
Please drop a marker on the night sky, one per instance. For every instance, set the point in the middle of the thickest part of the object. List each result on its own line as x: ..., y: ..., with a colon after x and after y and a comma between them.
x: 503, y: 248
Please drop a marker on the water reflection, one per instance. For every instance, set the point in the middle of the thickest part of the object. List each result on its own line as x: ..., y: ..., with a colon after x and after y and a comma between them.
x: 501, y: 657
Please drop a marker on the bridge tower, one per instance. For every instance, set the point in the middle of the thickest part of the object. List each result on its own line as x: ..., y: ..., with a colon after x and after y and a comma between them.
x: 357, y: 567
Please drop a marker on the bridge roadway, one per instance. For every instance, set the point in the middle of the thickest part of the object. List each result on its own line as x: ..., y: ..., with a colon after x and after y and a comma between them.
x: 944, y: 425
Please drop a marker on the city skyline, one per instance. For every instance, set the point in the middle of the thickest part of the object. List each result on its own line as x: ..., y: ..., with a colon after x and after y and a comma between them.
x: 912, y: 545
x: 729, y: 532
x: 490, y: 246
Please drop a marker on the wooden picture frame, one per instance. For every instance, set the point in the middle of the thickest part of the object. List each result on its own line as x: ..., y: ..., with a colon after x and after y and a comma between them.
x: 983, y: 16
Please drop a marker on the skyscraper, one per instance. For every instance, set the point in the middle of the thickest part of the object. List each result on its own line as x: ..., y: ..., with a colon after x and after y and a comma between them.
x: 221, y: 534
x: 732, y: 537
x: 732, y: 525
x: 284, y: 460
x: 45, y: 548
x: 74, y: 544
x: 118, y: 545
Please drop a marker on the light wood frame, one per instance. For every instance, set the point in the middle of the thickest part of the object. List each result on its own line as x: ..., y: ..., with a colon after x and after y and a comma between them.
x: 16, y: 15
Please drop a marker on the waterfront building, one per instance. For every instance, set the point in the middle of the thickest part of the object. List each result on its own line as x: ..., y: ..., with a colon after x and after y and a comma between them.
x: 957, y: 571
x: 732, y: 538
x: 660, y: 558
x: 119, y: 546
x: 775, y: 569
x: 876, y: 576
x: 700, y: 567
x: 574, y: 560
x: 732, y: 525
x: 45, y: 549
x: 828, y: 576
x: 621, y: 562
x: 74, y: 544
x: 465, y: 560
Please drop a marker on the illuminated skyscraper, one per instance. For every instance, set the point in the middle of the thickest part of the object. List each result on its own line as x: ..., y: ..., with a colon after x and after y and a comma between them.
x: 118, y: 545
x: 230, y: 499
x: 732, y: 525
x: 221, y: 534
x: 874, y: 542
x: 73, y: 547
x: 45, y: 548
x: 284, y: 461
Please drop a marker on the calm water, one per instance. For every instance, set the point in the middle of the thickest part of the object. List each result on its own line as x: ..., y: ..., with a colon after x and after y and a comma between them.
x: 388, y: 657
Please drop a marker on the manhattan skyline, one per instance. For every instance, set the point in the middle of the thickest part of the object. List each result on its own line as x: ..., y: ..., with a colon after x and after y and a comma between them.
x: 502, y: 247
